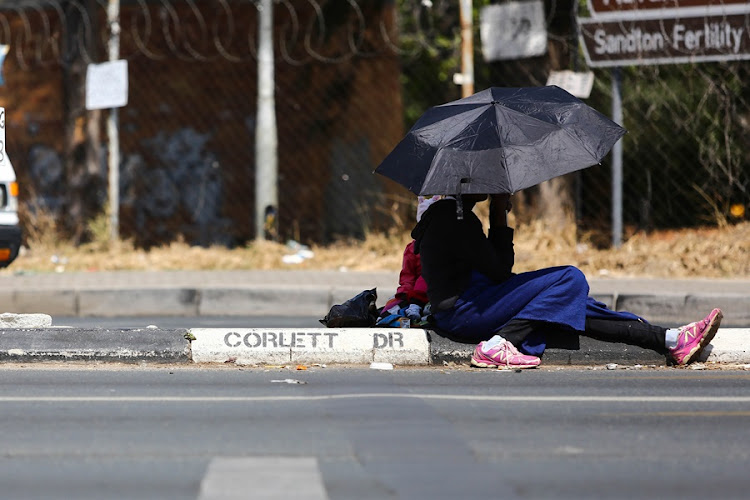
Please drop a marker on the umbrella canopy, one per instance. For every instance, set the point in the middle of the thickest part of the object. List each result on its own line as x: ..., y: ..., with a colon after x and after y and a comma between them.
x: 500, y: 140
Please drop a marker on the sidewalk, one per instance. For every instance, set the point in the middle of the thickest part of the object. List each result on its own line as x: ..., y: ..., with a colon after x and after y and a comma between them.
x: 312, y: 293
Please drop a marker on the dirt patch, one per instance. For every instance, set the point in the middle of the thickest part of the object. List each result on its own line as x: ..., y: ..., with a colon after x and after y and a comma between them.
x: 687, y: 253
x: 702, y: 252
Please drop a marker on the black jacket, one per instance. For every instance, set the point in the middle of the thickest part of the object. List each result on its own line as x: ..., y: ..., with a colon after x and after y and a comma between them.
x: 450, y: 249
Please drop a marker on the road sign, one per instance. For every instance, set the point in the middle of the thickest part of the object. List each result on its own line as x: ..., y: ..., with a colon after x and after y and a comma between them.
x: 665, y: 40
x: 622, y: 6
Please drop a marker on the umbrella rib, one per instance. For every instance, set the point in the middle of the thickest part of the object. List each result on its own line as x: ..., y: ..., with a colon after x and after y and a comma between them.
x: 555, y: 124
x: 507, y: 171
x: 475, y: 133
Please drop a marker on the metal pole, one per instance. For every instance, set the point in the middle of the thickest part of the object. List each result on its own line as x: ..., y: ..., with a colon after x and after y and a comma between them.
x: 113, y: 138
x: 617, y: 160
x: 467, y: 48
x: 574, y: 56
x: 266, y: 169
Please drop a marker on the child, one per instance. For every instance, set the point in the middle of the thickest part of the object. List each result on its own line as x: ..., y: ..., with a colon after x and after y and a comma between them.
x: 411, y: 295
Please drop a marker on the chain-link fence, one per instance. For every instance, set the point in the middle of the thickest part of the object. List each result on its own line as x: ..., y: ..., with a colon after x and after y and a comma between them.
x: 350, y: 78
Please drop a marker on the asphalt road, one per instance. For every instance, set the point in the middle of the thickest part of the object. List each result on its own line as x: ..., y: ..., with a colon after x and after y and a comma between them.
x: 103, y: 431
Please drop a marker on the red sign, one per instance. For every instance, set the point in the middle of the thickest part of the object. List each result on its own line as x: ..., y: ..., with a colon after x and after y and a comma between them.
x: 606, y: 6
x: 665, y: 40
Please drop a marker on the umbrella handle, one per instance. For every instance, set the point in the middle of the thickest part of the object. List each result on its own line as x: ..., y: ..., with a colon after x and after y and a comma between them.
x: 459, y: 199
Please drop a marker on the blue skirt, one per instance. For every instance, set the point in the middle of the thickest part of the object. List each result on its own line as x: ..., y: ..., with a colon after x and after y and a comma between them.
x: 556, y: 295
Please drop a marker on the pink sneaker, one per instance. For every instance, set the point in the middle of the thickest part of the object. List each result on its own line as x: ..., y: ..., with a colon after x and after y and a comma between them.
x: 503, y: 354
x: 694, y: 337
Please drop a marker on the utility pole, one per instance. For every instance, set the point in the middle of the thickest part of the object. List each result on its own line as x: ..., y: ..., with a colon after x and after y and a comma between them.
x: 113, y: 137
x: 266, y: 140
x: 466, y: 79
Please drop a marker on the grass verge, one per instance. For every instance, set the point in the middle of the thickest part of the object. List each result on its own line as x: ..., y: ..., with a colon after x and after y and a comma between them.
x: 688, y: 253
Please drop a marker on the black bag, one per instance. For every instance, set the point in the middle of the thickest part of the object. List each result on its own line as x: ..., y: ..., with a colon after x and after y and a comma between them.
x: 357, y: 311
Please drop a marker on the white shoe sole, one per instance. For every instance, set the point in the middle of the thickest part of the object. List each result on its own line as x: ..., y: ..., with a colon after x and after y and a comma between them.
x: 482, y: 364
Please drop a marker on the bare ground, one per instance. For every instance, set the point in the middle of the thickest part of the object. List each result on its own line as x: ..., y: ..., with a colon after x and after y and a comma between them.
x: 704, y: 252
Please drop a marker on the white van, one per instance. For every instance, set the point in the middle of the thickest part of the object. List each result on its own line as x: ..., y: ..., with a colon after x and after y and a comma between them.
x: 10, y: 231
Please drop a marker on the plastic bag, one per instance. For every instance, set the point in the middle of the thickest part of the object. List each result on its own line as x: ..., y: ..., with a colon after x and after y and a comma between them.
x: 360, y: 310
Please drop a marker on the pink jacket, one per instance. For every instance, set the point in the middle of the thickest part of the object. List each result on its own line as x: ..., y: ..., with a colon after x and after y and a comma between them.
x: 412, y: 286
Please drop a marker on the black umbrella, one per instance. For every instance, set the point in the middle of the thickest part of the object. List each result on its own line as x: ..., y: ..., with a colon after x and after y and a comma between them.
x: 500, y: 140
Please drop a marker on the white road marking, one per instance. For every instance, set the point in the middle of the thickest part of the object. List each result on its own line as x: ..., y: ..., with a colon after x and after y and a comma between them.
x: 327, y: 397
x: 264, y: 478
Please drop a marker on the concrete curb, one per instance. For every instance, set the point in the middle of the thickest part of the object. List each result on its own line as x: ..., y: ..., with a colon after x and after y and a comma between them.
x: 308, y: 300
x: 38, y: 341
x: 666, y: 307
x: 311, y: 345
x: 415, y: 347
x: 10, y: 320
x: 73, y: 344
x: 731, y: 345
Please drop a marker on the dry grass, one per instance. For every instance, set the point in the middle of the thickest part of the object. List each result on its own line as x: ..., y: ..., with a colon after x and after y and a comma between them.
x: 688, y: 253
x: 706, y: 252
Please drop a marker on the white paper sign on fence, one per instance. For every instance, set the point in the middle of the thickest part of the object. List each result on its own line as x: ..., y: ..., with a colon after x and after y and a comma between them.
x: 577, y: 83
x: 513, y: 30
x: 107, y: 85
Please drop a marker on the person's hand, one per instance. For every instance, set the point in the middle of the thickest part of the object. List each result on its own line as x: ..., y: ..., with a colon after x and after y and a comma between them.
x: 500, y: 205
x: 500, y: 202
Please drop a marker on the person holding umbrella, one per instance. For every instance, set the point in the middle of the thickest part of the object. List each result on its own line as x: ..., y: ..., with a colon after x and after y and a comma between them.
x: 476, y: 297
x: 498, y: 142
